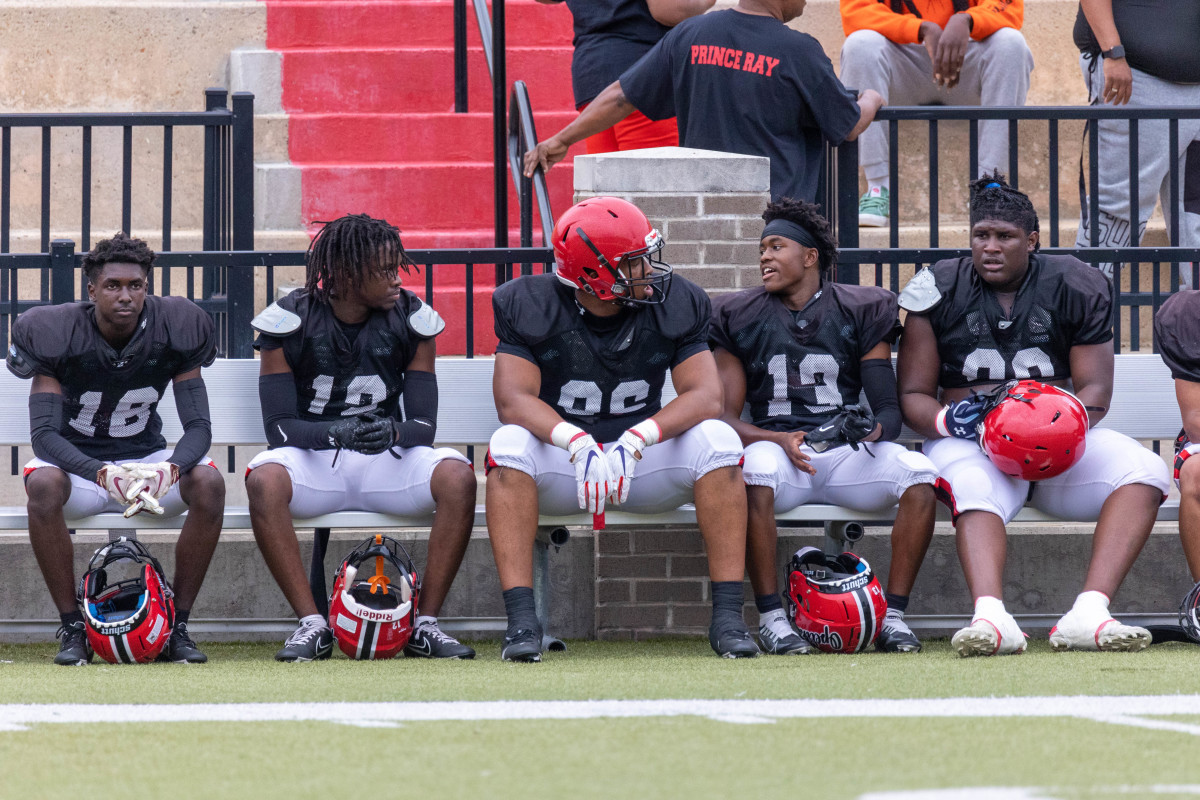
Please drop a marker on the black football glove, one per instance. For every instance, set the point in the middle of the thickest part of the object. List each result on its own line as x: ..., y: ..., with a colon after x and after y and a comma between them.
x: 366, y: 434
x: 849, y: 426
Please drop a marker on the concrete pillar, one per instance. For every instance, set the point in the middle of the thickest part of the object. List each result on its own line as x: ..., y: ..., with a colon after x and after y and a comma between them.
x: 707, y: 204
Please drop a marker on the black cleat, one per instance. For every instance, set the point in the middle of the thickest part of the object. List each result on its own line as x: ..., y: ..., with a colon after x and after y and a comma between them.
x: 789, y: 645
x: 181, y: 649
x: 74, y: 651
x: 522, y: 645
x: 430, y: 641
x: 732, y: 640
x: 308, y: 643
x: 896, y: 637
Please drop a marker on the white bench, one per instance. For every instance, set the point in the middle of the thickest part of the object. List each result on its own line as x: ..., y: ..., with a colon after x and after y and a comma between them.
x: 1143, y: 407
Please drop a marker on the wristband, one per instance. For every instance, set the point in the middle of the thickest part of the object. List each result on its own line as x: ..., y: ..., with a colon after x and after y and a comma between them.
x: 649, y: 431
x: 939, y: 422
x: 564, y: 433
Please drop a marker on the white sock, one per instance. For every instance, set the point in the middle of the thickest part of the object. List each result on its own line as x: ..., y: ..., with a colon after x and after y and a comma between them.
x: 1091, y: 603
x: 425, y: 619
x: 776, y: 621
x: 895, y: 613
x: 875, y: 188
x: 986, y: 607
x: 312, y: 619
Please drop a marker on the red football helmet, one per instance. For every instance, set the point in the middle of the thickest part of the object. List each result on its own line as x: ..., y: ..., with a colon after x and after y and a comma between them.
x: 130, y: 620
x: 1036, y: 432
x: 374, y: 617
x: 836, y: 602
x: 595, y: 238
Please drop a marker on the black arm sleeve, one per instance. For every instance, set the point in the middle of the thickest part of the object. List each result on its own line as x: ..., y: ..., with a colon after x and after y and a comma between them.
x: 420, y: 410
x: 191, y: 401
x: 281, y: 415
x: 45, y: 419
x: 879, y: 382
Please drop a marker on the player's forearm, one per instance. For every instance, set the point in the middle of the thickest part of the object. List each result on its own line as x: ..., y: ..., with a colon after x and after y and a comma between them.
x: 920, y: 413
x: 879, y: 383
x: 529, y: 412
x: 281, y: 418
x: 45, y: 421
x: 610, y: 107
x: 748, y: 433
x: 687, y: 411
x: 191, y: 402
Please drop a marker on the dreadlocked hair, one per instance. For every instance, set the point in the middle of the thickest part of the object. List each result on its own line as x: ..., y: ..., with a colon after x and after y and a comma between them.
x: 808, y: 216
x: 120, y: 249
x: 351, y: 249
x: 993, y: 198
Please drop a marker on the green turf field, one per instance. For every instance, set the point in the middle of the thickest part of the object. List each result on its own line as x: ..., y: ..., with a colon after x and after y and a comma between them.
x: 760, y: 744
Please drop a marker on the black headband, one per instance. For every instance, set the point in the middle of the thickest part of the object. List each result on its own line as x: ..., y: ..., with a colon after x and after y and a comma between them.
x: 789, y: 230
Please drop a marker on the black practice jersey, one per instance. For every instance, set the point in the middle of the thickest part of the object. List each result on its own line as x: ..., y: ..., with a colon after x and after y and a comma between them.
x: 1062, y: 303
x: 1177, y: 332
x: 802, y: 366
x: 603, y: 374
x: 110, y: 399
x: 341, y: 370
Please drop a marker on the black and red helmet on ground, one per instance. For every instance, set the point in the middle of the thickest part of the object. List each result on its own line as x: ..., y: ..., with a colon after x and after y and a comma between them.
x: 373, y: 617
x: 1036, y: 431
x: 127, y: 604
x: 598, y: 237
x: 835, y: 602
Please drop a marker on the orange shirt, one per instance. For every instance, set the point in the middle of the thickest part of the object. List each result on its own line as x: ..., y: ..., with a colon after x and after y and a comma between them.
x: 987, y: 17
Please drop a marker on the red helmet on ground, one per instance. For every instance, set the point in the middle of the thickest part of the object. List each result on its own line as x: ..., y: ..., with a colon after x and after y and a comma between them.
x: 594, y: 238
x: 129, y: 620
x: 1036, y: 432
x: 373, y: 618
x: 836, y: 602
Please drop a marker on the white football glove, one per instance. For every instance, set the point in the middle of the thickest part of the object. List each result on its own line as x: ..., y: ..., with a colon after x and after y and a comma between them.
x: 159, y: 477
x: 122, y: 483
x: 144, y: 502
x: 592, y: 479
x: 625, y: 454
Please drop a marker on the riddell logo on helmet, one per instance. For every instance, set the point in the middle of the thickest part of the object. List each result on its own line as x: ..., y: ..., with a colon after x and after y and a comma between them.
x: 375, y: 616
x: 828, y: 638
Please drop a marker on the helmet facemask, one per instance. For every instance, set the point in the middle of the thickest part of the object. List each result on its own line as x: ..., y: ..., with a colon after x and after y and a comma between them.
x: 656, y: 276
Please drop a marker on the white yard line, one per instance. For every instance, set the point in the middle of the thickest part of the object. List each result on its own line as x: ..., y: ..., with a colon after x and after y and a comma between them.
x: 1123, y: 710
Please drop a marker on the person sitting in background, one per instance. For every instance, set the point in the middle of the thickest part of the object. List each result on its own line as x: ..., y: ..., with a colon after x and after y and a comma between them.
x: 952, y: 52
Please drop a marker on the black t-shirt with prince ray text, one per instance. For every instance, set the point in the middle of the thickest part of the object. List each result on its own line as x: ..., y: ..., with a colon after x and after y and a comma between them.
x: 746, y: 83
x: 610, y: 36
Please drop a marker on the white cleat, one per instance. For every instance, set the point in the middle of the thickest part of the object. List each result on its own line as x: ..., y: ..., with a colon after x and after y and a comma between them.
x: 1076, y: 631
x: 998, y: 636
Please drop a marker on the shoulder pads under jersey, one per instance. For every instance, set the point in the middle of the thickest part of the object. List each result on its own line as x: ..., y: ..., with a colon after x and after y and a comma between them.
x: 17, y: 363
x: 426, y: 322
x: 920, y: 293
x: 276, y: 321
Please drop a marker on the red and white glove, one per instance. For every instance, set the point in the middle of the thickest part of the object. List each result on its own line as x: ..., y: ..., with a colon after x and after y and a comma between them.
x: 122, y: 483
x: 592, y: 479
x: 159, y: 476
x: 626, y: 453
x: 157, y: 479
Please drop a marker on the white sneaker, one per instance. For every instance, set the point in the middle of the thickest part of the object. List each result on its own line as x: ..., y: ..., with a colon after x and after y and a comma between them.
x: 996, y: 635
x: 1081, y: 631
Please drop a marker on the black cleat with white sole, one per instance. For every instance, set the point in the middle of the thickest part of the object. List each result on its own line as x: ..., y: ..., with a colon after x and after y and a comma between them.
x: 308, y: 643
x: 732, y: 640
x: 522, y: 644
x: 74, y: 650
x: 430, y: 641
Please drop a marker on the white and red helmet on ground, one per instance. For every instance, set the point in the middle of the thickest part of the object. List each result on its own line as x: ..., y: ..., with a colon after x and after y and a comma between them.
x: 127, y: 604
x: 835, y: 602
x: 373, y: 617
x: 594, y: 238
x: 1035, y: 432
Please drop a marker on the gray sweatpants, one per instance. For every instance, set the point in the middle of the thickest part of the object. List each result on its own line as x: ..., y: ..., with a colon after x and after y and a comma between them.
x: 995, y: 72
x: 1155, y: 163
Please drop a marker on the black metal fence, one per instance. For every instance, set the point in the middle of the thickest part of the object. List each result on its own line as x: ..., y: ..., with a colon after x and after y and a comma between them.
x: 224, y: 170
x: 1143, y: 276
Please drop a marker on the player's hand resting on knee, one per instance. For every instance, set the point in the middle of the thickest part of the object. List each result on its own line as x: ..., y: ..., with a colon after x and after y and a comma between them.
x: 625, y: 454
x: 592, y: 480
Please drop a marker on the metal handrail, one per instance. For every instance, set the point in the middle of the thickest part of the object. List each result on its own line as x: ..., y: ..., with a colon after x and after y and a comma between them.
x: 521, y: 133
